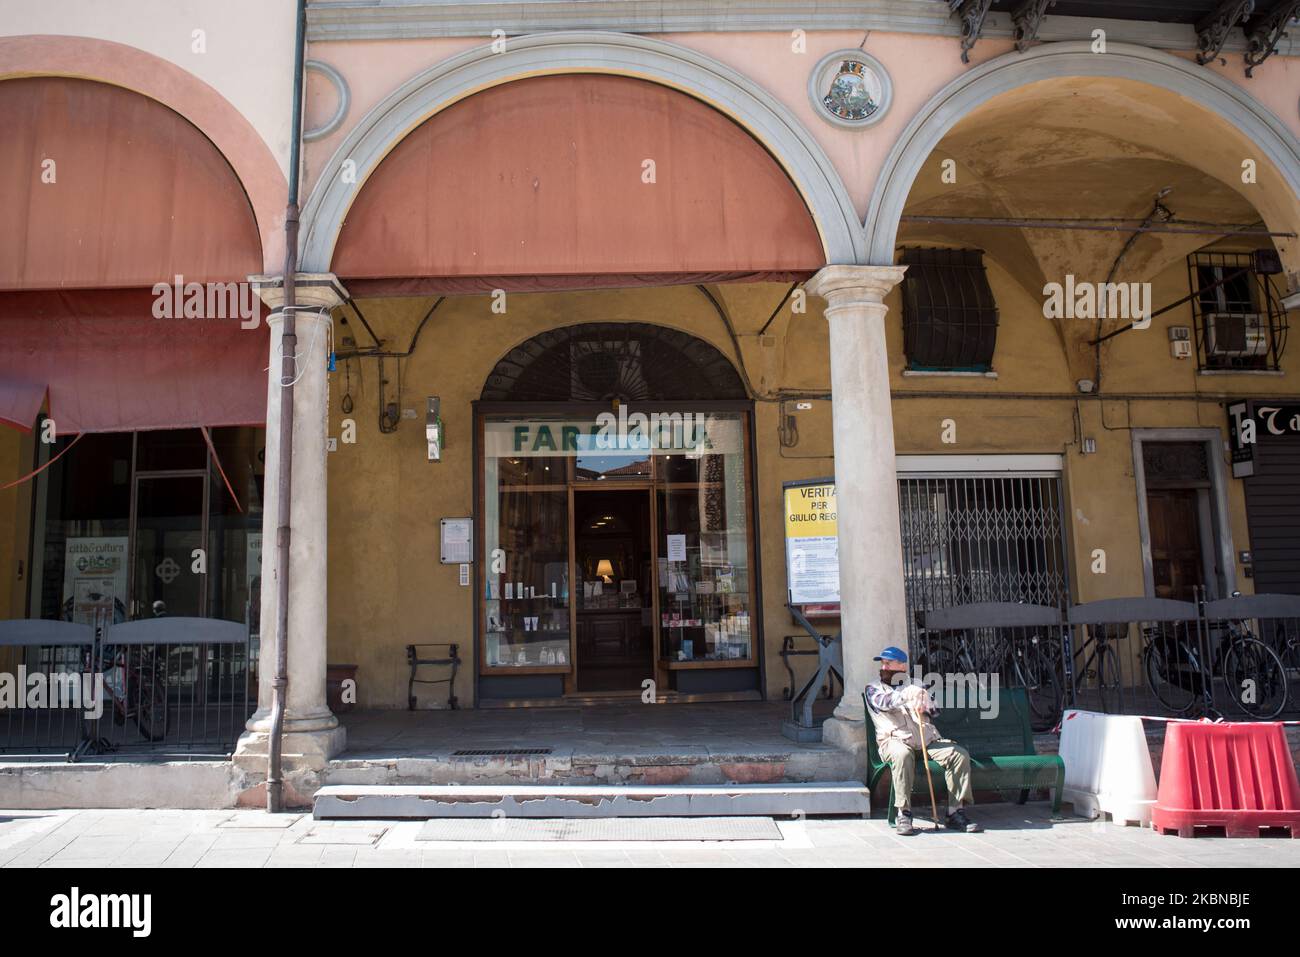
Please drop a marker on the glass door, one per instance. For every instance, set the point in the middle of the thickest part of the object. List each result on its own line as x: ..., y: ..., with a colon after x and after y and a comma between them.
x: 170, y: 519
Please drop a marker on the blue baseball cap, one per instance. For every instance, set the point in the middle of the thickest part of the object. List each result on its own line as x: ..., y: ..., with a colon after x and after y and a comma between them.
x: 892, y: 654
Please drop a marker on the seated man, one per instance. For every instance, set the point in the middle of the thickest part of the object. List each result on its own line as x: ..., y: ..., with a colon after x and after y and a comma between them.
x: 892, y: 709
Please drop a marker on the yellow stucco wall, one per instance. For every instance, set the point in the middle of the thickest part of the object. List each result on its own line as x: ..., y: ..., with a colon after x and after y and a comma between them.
x: 387, y: 588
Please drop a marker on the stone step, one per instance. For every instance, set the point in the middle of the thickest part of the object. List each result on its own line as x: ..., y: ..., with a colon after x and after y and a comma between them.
x: 576, y: 801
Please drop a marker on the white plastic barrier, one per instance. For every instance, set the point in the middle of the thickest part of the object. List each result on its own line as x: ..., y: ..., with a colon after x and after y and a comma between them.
x: 1107, y: 766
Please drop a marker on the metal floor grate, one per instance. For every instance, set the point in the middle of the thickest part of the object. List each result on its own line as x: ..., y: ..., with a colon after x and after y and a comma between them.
x: 498, y: 752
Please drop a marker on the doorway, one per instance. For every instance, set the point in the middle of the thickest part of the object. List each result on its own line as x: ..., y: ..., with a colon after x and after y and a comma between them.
x: 1182, y: 513
x: 1176, y: 556
x: 614, y: 607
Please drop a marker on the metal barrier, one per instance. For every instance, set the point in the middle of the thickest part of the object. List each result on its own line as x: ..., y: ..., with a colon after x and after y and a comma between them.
x: 162, y: 687
x: 1136, y: 656
x: 1256, y: 639
x: 1236, y: 657
x: 42, y: 667
x: 1025, y: 646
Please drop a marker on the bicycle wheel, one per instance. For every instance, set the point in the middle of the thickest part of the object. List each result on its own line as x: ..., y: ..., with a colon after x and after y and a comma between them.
x: 1033, y: 671
x: 1170, y: 674
x: 151, y: 698
x: 1110, y: 688
x: 1255, y: 677
x: 937, y: 655
x: 151, y: 712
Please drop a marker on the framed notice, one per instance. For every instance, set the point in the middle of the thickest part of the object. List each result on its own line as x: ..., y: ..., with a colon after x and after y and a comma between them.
x: 812, y: 553
x: 457, y: 541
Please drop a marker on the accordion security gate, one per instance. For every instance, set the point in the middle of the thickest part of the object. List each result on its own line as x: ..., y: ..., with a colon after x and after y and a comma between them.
x: 973, y: 538
x: 980, y: 537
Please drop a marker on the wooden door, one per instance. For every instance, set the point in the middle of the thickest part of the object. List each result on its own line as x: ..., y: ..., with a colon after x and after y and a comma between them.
x: 1176, y: 559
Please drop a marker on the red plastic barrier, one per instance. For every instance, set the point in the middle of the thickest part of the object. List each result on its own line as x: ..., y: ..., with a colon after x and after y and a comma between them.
x: 1238, y: 776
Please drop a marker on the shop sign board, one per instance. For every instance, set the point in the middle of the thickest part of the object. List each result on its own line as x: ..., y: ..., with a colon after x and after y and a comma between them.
x: 692, y: 433
x: 812, y: 557
x: 1252, y: 422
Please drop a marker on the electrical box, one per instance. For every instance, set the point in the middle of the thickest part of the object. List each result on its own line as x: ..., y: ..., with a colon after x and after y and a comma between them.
x: 1180, y: 342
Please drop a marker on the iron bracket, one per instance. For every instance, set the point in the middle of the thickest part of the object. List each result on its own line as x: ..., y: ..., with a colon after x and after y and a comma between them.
x: 1028, y: 19
x: 1266, y: 31
x: 1212, y: 31
x: 972, y: 14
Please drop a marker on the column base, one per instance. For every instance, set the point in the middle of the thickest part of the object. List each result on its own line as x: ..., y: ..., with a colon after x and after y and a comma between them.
x: 308, y: 742
x: 304, y: 757
x: 850, y: 736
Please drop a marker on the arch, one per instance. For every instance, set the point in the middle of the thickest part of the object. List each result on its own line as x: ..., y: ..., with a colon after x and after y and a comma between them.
x: 1053, y: 61
x: 121, y: 65
x: 699, y: 76
x: 603, y: 361
x: 148, y: 196
x: 543, y: 177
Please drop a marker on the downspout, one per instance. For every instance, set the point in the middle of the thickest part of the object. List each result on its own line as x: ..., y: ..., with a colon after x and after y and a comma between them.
x: 284, y: 481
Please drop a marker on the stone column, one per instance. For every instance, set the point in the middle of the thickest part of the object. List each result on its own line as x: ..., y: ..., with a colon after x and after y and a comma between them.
x: 873, y: 612
x: 312, y: 734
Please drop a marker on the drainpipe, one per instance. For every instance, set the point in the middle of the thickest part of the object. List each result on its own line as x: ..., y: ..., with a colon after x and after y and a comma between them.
x: 288, y: 375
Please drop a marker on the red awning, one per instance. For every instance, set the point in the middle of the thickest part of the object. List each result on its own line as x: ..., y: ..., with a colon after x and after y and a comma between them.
x: 110, y: 366
x: 20, y: 401
x: 104, y: 188
x: 572, y: 182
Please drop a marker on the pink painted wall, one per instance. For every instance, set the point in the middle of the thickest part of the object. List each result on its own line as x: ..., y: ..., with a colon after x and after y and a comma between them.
x: 919, y: 65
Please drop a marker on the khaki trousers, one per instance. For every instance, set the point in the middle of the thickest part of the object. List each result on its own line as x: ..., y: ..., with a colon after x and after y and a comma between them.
x: 949, y: 755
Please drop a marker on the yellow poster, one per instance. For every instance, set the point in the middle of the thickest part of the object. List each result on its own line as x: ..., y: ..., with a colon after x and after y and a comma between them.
x: 812, y: 556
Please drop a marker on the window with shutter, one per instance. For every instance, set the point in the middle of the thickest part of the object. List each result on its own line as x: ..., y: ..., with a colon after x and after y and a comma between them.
x: 950, y: 320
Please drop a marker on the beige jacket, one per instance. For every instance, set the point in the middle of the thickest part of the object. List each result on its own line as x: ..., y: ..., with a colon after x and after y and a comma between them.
x: 892, y: 717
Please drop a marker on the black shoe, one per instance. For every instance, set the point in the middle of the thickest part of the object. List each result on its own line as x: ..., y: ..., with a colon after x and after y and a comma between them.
x: 958, y: 821
x: 903, y: 825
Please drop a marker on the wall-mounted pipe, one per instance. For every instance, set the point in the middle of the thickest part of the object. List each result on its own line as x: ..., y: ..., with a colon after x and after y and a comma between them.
x: 284, y: 481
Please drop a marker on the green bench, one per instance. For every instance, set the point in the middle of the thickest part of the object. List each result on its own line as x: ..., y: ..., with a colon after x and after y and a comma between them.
x: 1001, y: 752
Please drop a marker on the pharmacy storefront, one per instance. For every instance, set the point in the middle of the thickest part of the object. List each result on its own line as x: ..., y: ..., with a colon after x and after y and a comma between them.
x: 617, y: 553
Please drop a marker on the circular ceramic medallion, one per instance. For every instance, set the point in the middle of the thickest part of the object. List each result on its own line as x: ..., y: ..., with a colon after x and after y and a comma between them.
x: 850, y: 88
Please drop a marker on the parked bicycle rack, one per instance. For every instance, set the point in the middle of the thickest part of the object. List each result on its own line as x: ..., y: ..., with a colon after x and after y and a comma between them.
x: 1237, y: 657
x: 1024, y: 646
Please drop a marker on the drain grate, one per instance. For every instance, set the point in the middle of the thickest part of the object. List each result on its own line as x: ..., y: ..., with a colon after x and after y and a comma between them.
x: 499, y: 752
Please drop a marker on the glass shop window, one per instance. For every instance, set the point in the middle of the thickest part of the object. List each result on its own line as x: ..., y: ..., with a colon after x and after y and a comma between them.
x: 136, y: 525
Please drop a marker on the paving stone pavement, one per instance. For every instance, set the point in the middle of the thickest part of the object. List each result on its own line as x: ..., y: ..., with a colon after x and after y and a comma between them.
x: 1015, y: 837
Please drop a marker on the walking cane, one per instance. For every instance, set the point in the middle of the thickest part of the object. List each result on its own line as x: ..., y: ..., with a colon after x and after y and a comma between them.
x: 925, y: 758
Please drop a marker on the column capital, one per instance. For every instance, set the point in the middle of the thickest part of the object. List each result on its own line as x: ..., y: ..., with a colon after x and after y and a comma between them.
x: 311, y: 290
x: 846, y: 285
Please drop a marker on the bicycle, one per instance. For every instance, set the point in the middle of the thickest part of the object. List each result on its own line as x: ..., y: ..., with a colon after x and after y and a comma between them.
x: 137, y: 689
x: 1176, y: 674
x: 1020, y: 664
x: 1101, y: 663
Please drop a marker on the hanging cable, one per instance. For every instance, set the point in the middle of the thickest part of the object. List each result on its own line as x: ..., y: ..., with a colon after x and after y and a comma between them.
x: 35, y: 472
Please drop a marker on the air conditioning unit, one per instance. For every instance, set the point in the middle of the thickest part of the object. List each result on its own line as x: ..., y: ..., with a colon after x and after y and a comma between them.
x: 1235, y: 334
